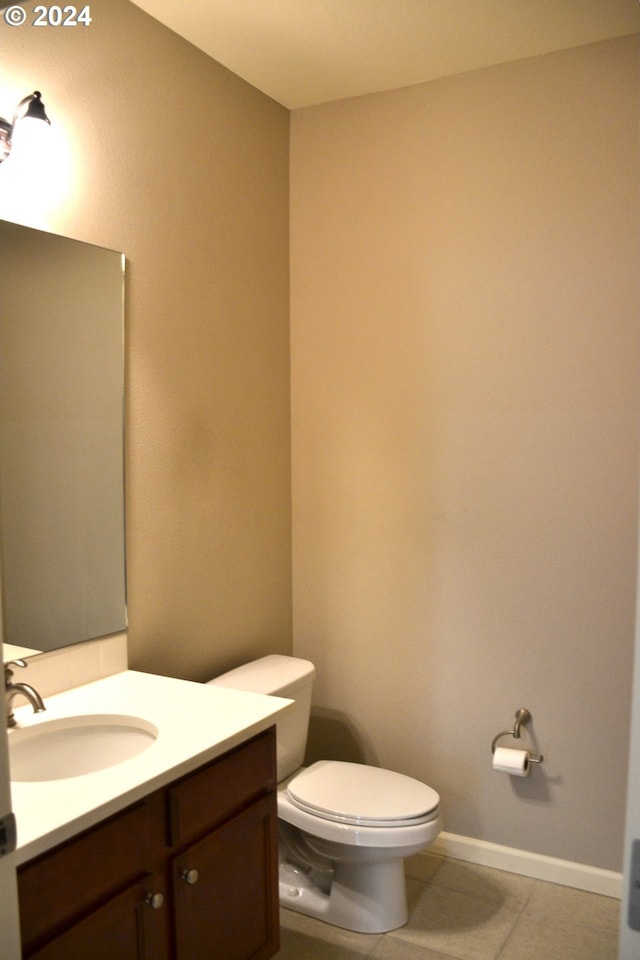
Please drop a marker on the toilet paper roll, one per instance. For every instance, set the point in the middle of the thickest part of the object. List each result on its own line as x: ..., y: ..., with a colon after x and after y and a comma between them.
x: 514, y: 762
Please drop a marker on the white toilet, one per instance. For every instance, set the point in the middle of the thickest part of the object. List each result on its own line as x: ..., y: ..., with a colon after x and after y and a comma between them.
x: 345, y: 828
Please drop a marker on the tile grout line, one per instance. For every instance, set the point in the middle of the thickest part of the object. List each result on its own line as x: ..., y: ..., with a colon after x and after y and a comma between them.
x: 519, y: 914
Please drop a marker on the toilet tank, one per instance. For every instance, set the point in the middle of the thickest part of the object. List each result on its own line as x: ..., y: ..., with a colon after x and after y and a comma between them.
x: 279, y: 676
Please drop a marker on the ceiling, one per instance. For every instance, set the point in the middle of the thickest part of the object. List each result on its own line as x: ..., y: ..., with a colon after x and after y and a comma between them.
x: 304, y: 52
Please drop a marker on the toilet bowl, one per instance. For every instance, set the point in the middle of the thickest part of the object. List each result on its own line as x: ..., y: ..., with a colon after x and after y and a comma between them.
x: 344, y: 828
x: 358, y: 823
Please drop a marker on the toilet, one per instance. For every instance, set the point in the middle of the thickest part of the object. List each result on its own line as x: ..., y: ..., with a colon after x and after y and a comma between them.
x: 344, y: 828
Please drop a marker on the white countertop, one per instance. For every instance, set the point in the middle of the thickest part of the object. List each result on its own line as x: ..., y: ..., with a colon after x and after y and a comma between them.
x: 196, y: 723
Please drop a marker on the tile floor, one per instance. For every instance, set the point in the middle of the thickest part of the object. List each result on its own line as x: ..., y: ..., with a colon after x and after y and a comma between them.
x: 459, y: 911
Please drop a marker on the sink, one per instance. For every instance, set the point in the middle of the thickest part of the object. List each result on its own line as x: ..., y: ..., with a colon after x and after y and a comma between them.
x: 74, y: 746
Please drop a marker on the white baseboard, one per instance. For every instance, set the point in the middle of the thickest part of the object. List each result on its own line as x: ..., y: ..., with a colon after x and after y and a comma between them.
x: 578, y: 875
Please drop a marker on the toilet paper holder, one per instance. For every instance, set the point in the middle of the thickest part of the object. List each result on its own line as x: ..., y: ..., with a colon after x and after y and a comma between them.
x: 522, y: 719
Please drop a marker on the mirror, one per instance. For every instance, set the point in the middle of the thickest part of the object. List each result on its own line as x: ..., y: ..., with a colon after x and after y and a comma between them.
x: 62, y: 546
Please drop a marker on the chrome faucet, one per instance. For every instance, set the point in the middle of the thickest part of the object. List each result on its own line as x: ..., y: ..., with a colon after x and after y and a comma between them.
x: 12, y: 690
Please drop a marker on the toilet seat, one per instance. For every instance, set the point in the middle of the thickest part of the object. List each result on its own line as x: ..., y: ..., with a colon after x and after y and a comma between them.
x: 353, y: 793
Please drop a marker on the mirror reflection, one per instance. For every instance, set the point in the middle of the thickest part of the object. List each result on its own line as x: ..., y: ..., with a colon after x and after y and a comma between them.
x: 62, y: 544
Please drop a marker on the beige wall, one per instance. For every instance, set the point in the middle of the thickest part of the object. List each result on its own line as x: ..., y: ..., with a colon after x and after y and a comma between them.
x: 465, y: 386
x: 169, y: 157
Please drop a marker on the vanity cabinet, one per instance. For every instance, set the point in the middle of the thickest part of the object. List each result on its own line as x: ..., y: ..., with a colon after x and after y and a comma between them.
x: 188, y: 873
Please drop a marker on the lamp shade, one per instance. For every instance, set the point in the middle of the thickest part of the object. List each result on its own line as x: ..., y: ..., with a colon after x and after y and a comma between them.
x: 35, y: 107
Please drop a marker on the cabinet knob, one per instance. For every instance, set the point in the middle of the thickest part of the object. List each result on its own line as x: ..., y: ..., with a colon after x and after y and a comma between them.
x: 155, y: 900
x: 190, y: 876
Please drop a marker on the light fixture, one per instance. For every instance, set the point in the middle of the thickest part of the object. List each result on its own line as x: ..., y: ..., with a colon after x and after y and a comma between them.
x: 30, y: 107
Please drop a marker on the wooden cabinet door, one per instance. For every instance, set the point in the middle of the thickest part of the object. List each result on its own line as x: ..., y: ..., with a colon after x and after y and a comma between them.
x: 125, y: 928
x: 64, y: 885
x: 226, y: 889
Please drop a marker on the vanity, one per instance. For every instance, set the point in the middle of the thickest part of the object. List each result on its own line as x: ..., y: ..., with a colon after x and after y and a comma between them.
x: 171, y: 854
x: 145, y: 805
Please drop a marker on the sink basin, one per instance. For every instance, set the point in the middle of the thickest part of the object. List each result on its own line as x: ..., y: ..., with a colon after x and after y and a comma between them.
x: 74, y: 746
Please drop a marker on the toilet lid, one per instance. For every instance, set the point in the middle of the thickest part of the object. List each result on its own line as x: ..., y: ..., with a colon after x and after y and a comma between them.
x: 358, y: 794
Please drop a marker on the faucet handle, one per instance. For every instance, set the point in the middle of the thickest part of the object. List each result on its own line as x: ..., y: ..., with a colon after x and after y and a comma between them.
x: 8, y: 672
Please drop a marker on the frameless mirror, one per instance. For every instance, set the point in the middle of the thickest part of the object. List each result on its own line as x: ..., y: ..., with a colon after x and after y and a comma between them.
x: 62, y: 543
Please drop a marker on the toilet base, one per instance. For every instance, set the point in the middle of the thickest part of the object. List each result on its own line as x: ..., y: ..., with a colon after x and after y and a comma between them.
x: 373, y: 900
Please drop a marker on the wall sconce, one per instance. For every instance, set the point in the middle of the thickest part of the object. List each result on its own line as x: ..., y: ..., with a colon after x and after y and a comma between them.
x: 30, y: 107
